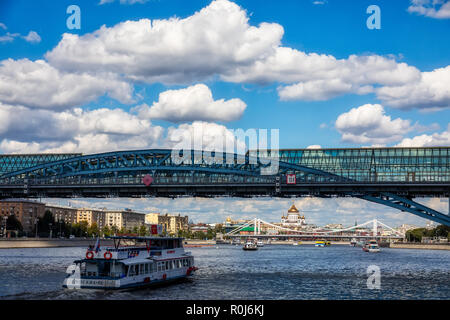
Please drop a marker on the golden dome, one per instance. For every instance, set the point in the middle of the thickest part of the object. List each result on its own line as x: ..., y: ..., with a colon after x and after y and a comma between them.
x: 293, y: 209
x: 228, y: 219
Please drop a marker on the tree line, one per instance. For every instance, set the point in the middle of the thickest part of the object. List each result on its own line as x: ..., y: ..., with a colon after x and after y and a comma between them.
x: 416, y: 235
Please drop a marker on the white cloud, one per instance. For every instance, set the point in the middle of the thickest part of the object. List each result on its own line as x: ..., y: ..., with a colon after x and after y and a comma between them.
x: 369, y: 124
x: 25, y: 130
x: 434, y: 140
x: 174, y: 50
x: 37, y: 84
x: 192, y: 103
x: 32, y: 37
x: 432, y: 91
x: 314, y: 146
x: 319, y: 76
x: 218, y: 41
x: 438, y: 9
x: 315, y: 90
x: 9, y: 37
x: 204, y: 136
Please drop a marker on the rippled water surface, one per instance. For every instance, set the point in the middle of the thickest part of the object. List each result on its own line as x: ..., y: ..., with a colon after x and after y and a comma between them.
x: 228, y: 272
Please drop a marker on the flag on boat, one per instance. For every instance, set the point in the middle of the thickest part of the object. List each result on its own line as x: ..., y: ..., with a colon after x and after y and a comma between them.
x: 97, y: 245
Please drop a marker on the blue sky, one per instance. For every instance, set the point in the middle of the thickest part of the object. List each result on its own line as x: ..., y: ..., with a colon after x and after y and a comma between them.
x: 311, y: 69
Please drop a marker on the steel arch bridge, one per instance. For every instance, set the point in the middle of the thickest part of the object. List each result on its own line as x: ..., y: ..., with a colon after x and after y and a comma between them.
x: 363, y: 173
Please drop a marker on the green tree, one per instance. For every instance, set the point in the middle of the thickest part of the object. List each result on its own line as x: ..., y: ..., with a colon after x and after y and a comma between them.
x: 114, y: 230
x: 143, y: 231
x: 12, y: 223
x: 106, y: 231
x: 93, y: 230
x: 46, y: 222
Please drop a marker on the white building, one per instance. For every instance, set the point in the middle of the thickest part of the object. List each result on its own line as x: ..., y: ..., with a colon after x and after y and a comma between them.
x: 293, y: 219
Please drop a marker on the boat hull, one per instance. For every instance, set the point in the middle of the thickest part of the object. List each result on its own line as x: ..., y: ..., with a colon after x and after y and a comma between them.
x: 130, y: 286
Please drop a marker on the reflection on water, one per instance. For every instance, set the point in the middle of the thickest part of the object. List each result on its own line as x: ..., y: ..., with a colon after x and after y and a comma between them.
x: 228, y: 272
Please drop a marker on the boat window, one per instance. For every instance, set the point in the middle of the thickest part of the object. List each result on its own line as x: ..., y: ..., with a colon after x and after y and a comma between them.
x: 141, y: 268
x: 178, y: 263
x: 136, y: 269
x: 167, y: 265
x: 185, y: 263
x: 146, y: 268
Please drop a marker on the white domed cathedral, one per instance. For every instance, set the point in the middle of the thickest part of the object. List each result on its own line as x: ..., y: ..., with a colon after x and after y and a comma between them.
x: 293, y: 219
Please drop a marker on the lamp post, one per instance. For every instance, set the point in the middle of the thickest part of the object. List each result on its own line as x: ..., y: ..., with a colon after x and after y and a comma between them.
x: 5, y: 218
x: 50, y: 227
x: 36, y: 224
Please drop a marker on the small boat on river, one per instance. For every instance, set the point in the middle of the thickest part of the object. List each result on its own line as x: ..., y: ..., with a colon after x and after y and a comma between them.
x: 250, y: 245
x: 372, y: 246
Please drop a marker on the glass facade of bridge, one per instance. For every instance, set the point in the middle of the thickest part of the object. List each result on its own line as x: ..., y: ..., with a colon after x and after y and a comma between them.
x: 10, y: 163
x: 377, y: 164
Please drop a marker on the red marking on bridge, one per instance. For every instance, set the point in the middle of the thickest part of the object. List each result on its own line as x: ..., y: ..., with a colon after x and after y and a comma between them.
x: 147, y: 180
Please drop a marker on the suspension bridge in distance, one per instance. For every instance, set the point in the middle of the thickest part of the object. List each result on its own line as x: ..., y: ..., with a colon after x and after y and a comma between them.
x: 262, y: 229
x: 392, y: 177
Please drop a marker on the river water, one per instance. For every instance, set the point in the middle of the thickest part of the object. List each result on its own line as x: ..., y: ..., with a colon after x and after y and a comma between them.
x: 228, y: 272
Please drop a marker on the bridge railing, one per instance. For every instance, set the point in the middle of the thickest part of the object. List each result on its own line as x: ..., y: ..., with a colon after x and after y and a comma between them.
x: 189, y: 179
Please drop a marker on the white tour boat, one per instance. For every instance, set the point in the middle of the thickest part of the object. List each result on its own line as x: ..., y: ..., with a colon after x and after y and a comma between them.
x: 372, y: 246
x: 259, y: 243
x: 250, y: 245
x: 144, y: 262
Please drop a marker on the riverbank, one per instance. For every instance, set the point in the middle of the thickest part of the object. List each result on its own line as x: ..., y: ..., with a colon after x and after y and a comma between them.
x: 49, y: 243
x: 79, y: 242
x: 426, y: 246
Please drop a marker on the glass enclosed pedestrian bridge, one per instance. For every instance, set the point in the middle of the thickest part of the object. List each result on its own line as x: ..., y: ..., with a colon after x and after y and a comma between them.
x: 388, y: 176
x: 430, y: 164
x: 376, y: 164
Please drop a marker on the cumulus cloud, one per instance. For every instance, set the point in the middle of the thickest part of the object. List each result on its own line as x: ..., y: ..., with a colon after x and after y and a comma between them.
x: 25, y: 130
x: 438, y: 9
x: 369, y: 124
x: 202, y: 135
x: 218, y: 41
x: 192, y: 103
x: 37, y: 84
x: 434, y: 140
x: 32, y: 37
x: 172, y: 50
x: 432, y: 91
